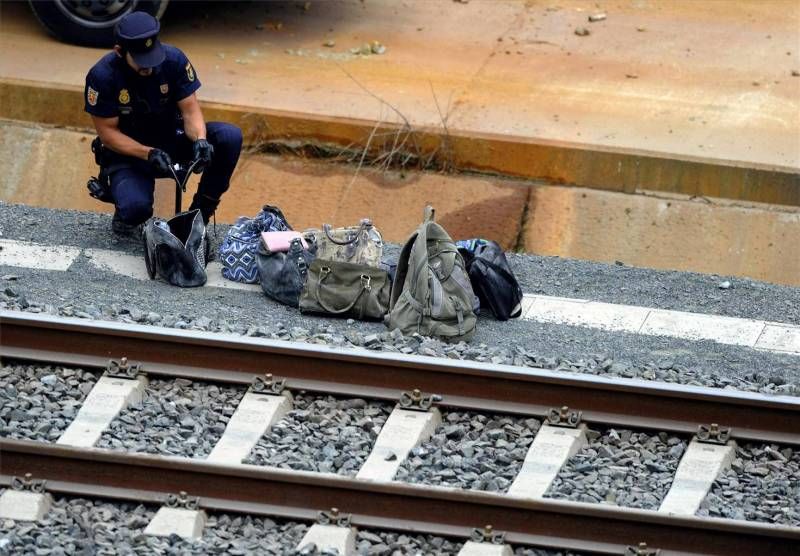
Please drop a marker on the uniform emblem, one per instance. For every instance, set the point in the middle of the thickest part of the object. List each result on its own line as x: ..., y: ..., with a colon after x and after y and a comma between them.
x: 189, y: 71
x: 124, y: 97
x: 148, y: 43
x: 91, y: 96
x: 164, y: 88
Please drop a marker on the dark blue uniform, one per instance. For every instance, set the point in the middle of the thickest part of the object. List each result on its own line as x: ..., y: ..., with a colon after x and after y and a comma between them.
x: 148, y: 112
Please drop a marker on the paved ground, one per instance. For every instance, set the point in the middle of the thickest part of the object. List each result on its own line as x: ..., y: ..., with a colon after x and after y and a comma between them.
x: 85, y: 290
x: 641, y: 80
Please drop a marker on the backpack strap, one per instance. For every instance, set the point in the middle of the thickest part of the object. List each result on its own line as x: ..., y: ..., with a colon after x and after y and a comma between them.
x: 418, y: 260
x: 401, y: 271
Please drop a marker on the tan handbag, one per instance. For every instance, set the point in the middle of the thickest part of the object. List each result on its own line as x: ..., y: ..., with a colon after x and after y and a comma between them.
x: 360, y: 244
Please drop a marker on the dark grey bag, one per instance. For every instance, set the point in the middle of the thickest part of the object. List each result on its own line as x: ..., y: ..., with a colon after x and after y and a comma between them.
x: 177, y: 249
x: 491, y: 277
x: 283, y: 275
x: 346, y: 290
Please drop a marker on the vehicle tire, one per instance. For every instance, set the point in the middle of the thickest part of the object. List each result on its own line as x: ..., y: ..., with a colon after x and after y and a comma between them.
x: 89, y: 22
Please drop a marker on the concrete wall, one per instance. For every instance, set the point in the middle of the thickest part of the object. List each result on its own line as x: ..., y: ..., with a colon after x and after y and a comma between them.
x: 49, y: 167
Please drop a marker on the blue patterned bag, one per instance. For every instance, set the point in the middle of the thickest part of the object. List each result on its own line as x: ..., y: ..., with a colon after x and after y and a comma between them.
x: 238, y: 250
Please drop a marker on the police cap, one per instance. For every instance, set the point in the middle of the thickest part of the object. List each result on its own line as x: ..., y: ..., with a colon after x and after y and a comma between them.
x: 137, y: 33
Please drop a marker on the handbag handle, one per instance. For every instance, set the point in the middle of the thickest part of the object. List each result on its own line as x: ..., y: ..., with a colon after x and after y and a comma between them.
x: 326, y: 271
x: 365, y: 223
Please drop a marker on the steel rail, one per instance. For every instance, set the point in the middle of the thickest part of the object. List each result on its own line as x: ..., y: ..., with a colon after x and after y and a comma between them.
x: 361, y: 372
x: 420, y: 508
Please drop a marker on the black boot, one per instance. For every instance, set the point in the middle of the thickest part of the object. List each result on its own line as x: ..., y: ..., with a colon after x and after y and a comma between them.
x: 121, y: 228
x: 206, y: 205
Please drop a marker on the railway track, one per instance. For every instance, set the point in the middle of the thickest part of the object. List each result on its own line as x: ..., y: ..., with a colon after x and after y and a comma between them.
x: 374, y: 499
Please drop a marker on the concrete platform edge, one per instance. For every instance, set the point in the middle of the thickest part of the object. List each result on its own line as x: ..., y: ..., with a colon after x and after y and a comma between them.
x: 549, y: 161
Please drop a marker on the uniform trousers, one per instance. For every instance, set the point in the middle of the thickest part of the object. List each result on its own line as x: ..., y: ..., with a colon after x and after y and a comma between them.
x: 132, y: 186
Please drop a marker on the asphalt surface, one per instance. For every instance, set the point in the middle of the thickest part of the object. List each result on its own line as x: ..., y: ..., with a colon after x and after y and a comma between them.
x: 86, y: 291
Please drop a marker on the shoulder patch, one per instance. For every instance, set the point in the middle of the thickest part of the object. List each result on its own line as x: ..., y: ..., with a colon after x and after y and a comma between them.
x: 91, y: 96
x: 189, y: 71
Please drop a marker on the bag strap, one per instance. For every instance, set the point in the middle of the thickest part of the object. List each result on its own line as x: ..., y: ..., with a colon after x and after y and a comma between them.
x: 418, y: 260
x: 324, y: 273
x: 327, y: 229
x: 398, y: 285
x: 414, y: 255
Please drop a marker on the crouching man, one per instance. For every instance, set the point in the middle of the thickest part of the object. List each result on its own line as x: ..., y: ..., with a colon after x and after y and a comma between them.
x: 142, y: 100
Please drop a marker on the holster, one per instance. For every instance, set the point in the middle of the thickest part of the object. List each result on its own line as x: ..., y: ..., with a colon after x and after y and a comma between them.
x: 100, y: 187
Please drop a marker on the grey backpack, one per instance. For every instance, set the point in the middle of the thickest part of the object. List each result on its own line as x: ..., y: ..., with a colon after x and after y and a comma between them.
x: 431, y: 293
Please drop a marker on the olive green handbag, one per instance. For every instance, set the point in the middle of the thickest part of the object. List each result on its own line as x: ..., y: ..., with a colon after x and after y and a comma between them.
x: 346, y: 290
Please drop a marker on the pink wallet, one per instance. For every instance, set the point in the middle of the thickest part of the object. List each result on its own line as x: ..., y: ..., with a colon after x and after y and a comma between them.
x: 278, y: 242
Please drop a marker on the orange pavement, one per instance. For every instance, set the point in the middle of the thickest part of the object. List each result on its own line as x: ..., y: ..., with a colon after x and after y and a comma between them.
x: 696, y: 79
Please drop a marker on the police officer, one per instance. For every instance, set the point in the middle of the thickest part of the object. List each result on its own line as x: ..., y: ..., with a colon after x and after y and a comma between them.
x: 143, y: 105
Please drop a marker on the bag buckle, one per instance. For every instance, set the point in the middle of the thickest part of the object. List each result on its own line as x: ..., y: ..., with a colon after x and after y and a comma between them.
x: 366, y: 282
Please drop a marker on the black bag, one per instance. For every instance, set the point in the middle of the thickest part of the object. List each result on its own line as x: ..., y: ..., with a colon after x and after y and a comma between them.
x: 491, y: 277
x: 177, y: 249
x: 283, y: 275
x: 343, y: 289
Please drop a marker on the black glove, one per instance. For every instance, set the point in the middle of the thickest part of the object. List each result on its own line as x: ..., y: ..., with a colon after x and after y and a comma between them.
x: 160, y: 161
x: 203, y: 152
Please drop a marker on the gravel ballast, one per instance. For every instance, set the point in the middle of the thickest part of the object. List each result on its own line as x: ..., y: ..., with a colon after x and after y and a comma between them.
x: 323, y: 434
x: 762, y: 484
x: 471, y: 451
x: 82, y: 527
x: 556, y: 276
x: 77, y: 526
x: 39, y: 403
x: 85, y: 291
x: 621, y: 467
x: 176, y: 418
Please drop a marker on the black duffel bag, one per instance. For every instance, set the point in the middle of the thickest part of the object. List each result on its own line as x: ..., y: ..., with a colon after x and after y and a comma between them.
x: 492, y: 279
x: 283, y: 274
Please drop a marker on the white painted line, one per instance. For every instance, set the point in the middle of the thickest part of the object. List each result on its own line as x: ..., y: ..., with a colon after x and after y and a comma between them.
x: 693, y: 326
x: 330, y: 537
x: 106, y: 400
x: 548, y: 453
x: 757, y: 334
x: 134, y: 267
x: 577, y: 312
x: 217, y: 280
x: 403, y: 431
x: 32, y: 255
x: 185, y: 523
x: 699, y: 467
x: 118, y: 263
x: 22, y: 505
x: 780, y: 337
x: 472, y: 548
x: 253, y: 417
